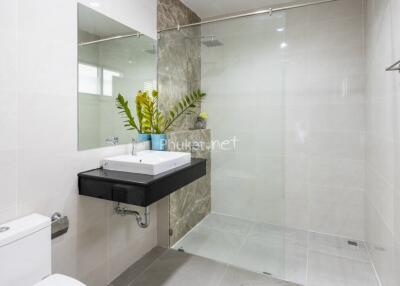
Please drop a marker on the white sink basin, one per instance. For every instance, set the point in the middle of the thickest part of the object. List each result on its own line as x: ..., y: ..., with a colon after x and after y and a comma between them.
x: 147, y: 162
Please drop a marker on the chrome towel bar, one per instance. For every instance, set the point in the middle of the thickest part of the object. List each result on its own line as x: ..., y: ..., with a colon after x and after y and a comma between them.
x: 394, y: 67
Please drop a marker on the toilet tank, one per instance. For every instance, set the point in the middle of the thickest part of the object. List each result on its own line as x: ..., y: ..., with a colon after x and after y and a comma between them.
x: 25, y: 250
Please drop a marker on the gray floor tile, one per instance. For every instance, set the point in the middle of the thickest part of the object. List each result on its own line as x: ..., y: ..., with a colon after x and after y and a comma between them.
x: 239, y: 277
x: 139, y: 267
x: 327, y: 270
x: 180, y: 269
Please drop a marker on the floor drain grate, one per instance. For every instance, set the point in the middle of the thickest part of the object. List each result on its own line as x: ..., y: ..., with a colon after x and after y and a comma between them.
x: 352, y: 243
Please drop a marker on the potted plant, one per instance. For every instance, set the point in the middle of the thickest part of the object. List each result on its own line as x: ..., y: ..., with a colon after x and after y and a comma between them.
x: 142, y: 126
x: 145, y: 128
x: 152, y: 120
x: 201, y: 121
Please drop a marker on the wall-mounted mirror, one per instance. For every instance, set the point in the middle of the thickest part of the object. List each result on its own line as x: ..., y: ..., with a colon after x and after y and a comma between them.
x: 113, y: 59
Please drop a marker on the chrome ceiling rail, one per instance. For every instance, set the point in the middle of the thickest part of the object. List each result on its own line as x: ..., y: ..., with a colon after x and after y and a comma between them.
x: 268, y: 11
x: 394, y: 67
x: 110, y: 39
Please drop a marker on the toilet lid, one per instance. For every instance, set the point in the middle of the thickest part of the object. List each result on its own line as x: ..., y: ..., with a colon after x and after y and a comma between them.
x: 59, y: 280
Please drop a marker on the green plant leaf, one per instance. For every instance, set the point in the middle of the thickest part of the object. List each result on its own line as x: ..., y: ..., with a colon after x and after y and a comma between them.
x: 126, y: 113
x: 151, y: 119
x: 183, y: 107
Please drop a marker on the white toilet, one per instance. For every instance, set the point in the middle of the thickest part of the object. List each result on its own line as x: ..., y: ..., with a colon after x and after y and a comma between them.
x: 25, y: 254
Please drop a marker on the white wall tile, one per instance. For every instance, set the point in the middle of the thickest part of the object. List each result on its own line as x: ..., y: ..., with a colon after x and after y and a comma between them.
x: 337, y: 210
x: 382, y: 155
x: 381, y: 193
x: 396, y: 216
x: 337, y: 145
x: 8, y: 213
x: 395, y: 7
x: 334, y: 10
x: 8, y: 51
x: 337, y: 117
x: 8, y: 182
x: 38, y: 124
x: 9, y: 122
x: 339, y: 173
x: 8, y: 109
x: 380, y: 245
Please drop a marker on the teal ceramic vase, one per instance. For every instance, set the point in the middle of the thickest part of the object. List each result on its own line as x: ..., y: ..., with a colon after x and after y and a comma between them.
x: 158, y: 142
x: 143, y: 137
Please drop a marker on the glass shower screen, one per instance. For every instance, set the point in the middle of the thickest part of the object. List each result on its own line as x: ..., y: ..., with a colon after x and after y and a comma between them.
x: 242, y: 71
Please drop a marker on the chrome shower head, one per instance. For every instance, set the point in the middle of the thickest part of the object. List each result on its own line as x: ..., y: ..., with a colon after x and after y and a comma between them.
x: 212, y: 42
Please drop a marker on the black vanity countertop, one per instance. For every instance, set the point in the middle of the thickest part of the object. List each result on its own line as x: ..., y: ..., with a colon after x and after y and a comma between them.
x: 138, y: 189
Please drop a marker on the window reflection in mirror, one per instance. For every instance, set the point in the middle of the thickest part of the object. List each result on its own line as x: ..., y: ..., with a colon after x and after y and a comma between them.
x: 109, y: 65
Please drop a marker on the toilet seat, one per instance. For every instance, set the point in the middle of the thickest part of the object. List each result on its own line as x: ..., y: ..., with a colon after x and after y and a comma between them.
x: 59, y: 280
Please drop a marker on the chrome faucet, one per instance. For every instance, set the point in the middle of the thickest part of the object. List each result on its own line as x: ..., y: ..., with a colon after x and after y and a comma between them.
x: 133, y: 147
x: 112, y: 140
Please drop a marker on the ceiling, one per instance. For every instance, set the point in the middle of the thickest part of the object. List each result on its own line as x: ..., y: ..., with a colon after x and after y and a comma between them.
x: 212, y: 8
x: 99, y: 25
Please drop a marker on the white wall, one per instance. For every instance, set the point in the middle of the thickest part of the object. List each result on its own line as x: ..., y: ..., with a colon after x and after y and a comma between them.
x: 38, y: 127
x: 298, y: 113
x: 383, y: 137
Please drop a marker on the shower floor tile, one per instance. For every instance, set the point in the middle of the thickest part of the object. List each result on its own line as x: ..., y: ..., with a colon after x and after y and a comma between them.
x: 297, y: 256
x: 228, y: 224
x: 277, y: 234
x: 338, y: 246
x: 240, y: 277
x: 219, y: 245
x: 328, y: 270
x: 281, y: 259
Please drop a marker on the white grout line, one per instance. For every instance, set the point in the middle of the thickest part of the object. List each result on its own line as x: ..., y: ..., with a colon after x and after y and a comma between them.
x: 308, y: 258
x: 223, y: 274
x: 373, y: 265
